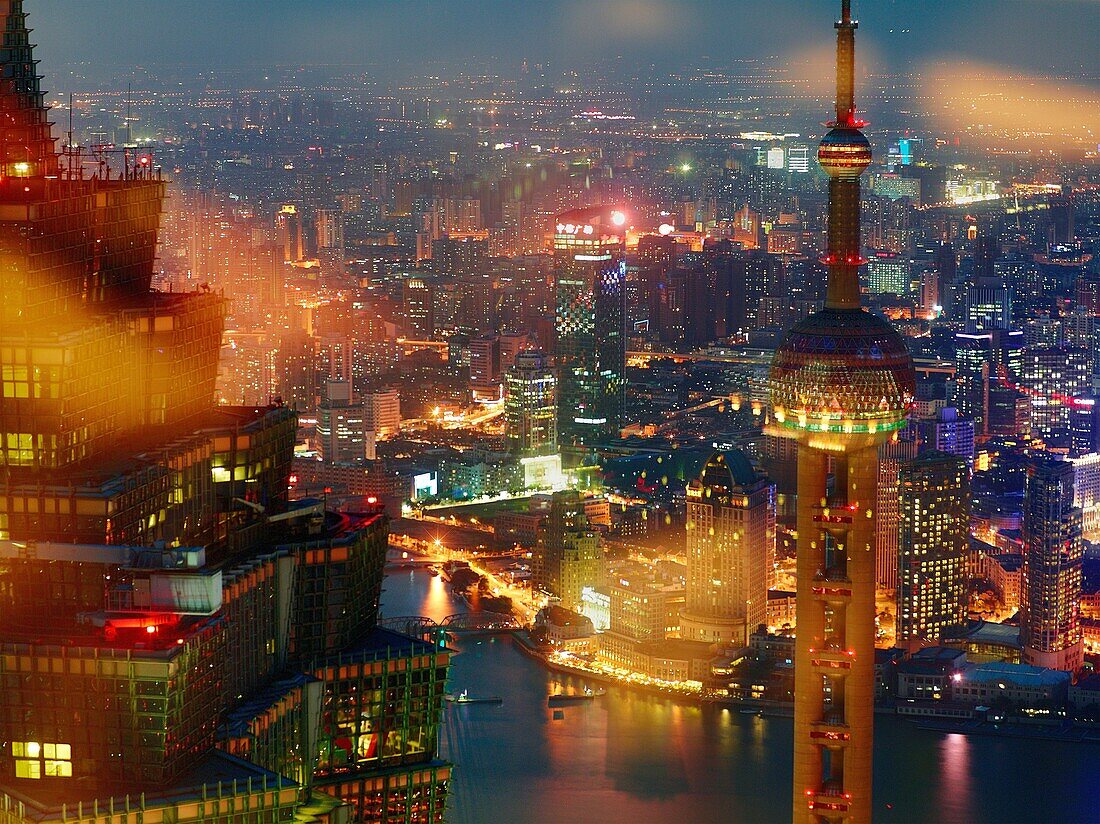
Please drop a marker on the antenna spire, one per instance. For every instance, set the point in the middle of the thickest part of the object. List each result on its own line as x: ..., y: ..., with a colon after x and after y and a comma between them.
x: 846, y: 66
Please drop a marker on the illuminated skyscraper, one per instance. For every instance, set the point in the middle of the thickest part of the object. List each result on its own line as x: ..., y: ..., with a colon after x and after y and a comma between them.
x: 841, y: 384
x: 1050, y: 624
x: 570, y: 554
x: 174, y: 633
x: 730, y: 542
x: 590, y: 275
x: 933, y: 545
x: 530, y: 406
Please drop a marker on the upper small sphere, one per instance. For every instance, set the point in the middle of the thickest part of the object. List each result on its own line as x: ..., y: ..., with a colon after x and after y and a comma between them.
x: 844, y: 153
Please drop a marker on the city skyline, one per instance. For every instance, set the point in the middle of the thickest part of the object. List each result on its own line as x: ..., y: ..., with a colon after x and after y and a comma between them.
x: 1035, y: 37
x: 424, y: 413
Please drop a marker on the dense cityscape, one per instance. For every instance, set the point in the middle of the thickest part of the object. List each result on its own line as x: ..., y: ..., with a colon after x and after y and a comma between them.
x: 513, y: 440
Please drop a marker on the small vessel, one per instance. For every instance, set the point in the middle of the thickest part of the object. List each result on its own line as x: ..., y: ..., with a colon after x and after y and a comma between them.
x: 433, y: 571
x: 572, y: 697
x: 753, y: 711
x: 465, y: 698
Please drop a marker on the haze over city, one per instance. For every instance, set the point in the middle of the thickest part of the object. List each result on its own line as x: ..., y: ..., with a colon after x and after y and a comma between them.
x: 634, y: 410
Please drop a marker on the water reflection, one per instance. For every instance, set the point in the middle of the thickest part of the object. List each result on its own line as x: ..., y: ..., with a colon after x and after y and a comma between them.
x: 955, y: 768
x: 637, y: 758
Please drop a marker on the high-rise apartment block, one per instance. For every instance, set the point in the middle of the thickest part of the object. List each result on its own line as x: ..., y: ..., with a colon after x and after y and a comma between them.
x: 1050, y: 625
x: 932, y: 547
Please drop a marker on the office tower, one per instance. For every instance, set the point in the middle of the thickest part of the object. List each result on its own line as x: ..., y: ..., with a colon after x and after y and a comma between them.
x: 1009, y: 412
x: 798, y: 158
x: 1084, y: 426
x: 988, y: 305
x: 341, y: 428
x: 1050, y: 623
x: 382, y: 413
x: 1079, y: 332
x: 888, y: 274
x: 288, y: 234
x: 841, y: 385
x: 947, y: 268
x: 416, y: 298
x: 485, y: 377
x: 330, y: 229
x: 569, y: 555
x: 948, y: 432
x: 530, y: 406
x: 590, y: 274
x: 896, y: 187
x: 892, y: 456
x: 730, y: 544
x: 985, y: 361
x: 177, y: 640
x: 1052, y: 377
x: 511, y: 345
x: 932, y: 547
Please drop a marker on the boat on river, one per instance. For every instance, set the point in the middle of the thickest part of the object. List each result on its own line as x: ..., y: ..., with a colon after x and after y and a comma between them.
x: 589, y: 694
x: 465, y: 698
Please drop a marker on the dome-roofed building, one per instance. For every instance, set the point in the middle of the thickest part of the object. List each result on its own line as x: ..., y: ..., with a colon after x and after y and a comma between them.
x: 730, y: 548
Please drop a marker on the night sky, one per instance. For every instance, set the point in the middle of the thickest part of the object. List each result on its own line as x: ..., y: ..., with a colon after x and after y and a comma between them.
x: 1044, y: 36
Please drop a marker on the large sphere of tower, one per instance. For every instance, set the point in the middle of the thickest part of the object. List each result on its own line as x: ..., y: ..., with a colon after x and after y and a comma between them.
x: 843, y: 379
x: 844, y: 153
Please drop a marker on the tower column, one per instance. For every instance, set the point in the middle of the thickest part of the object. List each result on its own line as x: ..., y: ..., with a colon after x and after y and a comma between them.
x: 859, y: 694
x: 813, y: 470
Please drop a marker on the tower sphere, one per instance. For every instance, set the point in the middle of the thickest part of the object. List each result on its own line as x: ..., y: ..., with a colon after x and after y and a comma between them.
x: 843, y: 379
x: 844, y: 153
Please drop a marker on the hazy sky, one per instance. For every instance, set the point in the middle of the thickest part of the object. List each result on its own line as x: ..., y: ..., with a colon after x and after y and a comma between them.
x: 1035, y: 35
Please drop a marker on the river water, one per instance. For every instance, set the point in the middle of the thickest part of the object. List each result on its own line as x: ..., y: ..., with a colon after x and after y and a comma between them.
x: 630, y: 757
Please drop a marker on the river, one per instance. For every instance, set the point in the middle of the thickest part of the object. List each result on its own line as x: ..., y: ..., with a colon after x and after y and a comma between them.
x: 629, y: 757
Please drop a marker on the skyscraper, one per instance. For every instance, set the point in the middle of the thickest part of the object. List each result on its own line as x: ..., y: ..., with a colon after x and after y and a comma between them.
x: 177, y: 639
x: 948, y: 432
x: 932, y: 547
x: 892, y: 455
x: 530, y: 406
x: 730, y: 542
x: 570, y: 552
x: 985, y: 362
x: 590, y: 276
x: 1050, y: 624
x: 1053, y: 377
x: 841, y: 384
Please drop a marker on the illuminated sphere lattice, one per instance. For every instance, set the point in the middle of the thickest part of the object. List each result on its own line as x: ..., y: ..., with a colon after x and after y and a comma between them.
x: 844, y: 374
x: 844, y: 153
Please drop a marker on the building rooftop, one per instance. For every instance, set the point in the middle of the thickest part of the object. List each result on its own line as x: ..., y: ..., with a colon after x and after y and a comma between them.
x: 217, y: 774
x: 1023, y: 675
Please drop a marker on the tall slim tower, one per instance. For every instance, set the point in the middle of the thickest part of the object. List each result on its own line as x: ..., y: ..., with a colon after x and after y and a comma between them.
x: 590, y: 279
x: 841, y: 385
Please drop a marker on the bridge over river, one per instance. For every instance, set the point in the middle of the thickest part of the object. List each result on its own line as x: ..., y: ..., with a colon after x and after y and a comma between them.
x: 460, y: 623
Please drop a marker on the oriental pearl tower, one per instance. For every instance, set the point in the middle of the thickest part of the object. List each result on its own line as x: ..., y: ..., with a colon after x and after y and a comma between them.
x: 841, y: 385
